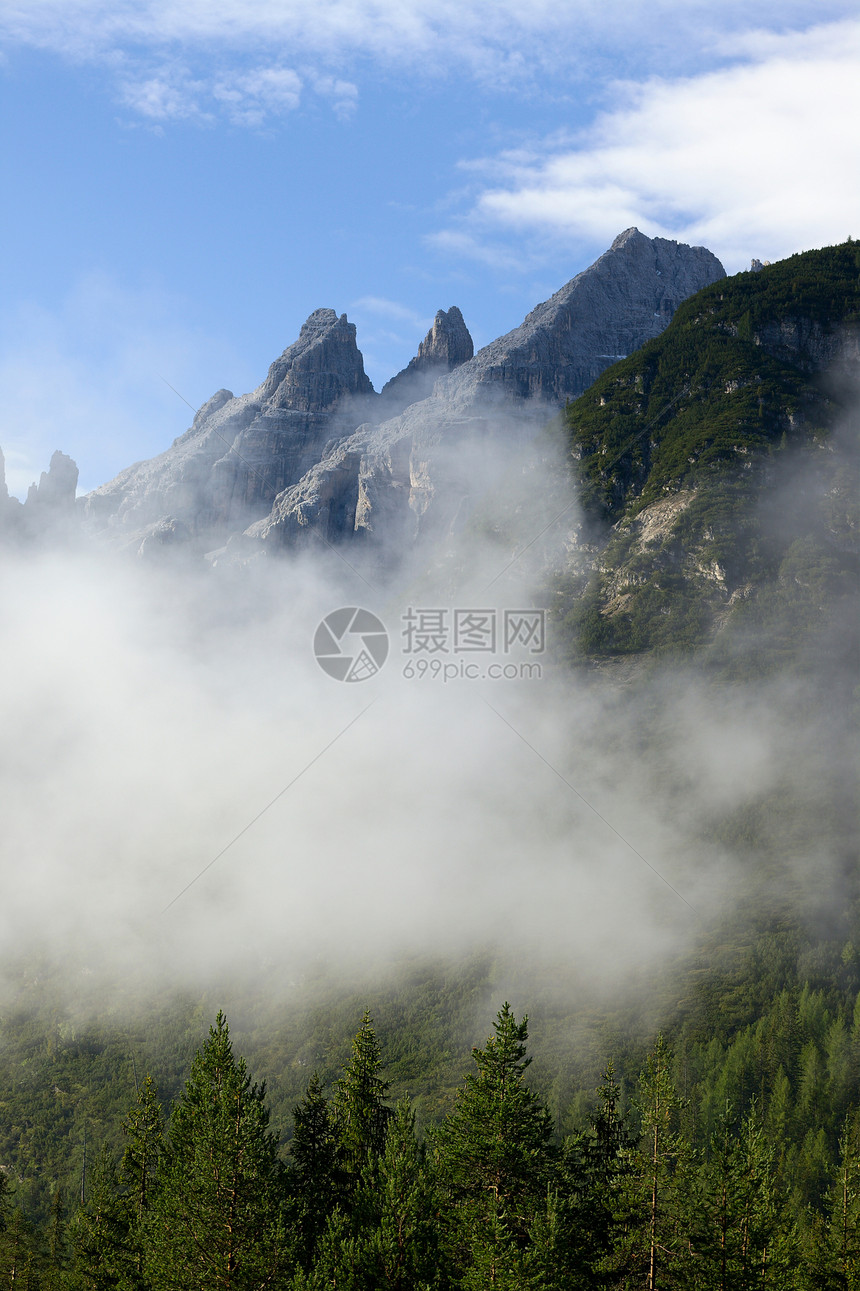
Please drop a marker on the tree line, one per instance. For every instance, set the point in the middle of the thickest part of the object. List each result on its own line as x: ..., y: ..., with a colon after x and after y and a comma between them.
x: 489, y: 1198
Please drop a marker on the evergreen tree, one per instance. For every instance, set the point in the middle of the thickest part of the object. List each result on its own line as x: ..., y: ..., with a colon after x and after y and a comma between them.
x: 18, y: 1257
x: 607, y: 1210
x: 663, y: 1157
x: 314, y: 1177
x: 360, y: 1115
x: 835, y: 1258
x: 496, y: 1160
x: 5, y: 1200
x: 401, y: 1248
x: 217, y: 1215
x: 144, y: 1132
x: 105, y: 1256
x: 56, y: 1262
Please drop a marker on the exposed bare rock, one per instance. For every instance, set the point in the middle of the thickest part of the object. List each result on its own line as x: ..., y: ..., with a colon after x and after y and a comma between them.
x: 313, y: 445
x: 417, y: 468
x: 446, y: 346
x: 241, y: 452
x: 49, y: 513
x: 56, y: 489
x: 165, y: 536
x: 9, y: 507
x: 811, y: 345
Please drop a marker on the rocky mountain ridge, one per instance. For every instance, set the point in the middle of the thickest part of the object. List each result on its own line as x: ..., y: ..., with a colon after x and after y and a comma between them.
x: 49, y: 508
x: 314, y: 445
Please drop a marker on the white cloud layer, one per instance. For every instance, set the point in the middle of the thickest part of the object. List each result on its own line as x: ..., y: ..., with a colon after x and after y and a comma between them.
x: 499, y: 42
x: 757, y: 159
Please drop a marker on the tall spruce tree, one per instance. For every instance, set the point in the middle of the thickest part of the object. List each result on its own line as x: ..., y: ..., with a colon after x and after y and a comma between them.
x: 360, y: 1114
x: 663, y: 1158
x: 597, y: 1204
x: 496, y: 1161
x: 314, y: 1177
x: 217, y: 1214
x: 5, y: 1200
x: 401, y: 1241
x: 18, y: 1252
x: 144, y: 1133
x: 835, y: 1250
x: 56, y: 1269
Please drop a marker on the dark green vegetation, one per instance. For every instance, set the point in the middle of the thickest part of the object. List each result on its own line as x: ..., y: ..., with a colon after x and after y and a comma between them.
x: 489, y: 1198
x: 751, y: 1098
x: 719, y: 473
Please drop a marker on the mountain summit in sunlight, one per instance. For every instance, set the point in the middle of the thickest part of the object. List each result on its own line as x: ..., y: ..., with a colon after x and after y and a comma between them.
x: 315, y: 446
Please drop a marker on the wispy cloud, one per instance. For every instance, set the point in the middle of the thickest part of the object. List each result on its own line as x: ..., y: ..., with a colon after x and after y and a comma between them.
x: 391, y: 309
x: 342, y: 94
x: 760, y: 158
x: 498, y: 42
x: 475, y: 245
x: 263, y: 91
x: 169, y: 93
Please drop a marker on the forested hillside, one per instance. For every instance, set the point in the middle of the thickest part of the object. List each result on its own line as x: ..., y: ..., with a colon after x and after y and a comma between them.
x: 719, y: 472
x: 660, y: 1188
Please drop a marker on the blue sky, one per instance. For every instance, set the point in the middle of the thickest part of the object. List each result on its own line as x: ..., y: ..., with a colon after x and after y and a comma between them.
x: 184, y: 182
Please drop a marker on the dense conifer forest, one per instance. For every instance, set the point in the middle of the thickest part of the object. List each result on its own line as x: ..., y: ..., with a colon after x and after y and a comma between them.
x: 734, y: 1187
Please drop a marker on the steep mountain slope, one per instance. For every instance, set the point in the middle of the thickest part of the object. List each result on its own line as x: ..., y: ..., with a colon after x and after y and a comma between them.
x: 384, y: 480
x: 719, y: 469
x: 241, y: 451
x: 306, y: 447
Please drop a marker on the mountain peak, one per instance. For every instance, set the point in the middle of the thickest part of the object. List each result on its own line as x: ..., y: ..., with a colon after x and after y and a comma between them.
x: 448, y: 342
x: 446, y: 346
x: 314, y: 440
x: 629, y: 235
x: 320, y: 320
x: 319, y: 369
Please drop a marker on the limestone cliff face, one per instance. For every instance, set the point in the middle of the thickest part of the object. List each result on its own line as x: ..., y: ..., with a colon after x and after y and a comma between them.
x: 56, y: 488
x: 49, y: 510
x: 314, y: 445
x: 241, y: 452
x: 603, y: 314
x: 446, y: 346
x: 414, y: 470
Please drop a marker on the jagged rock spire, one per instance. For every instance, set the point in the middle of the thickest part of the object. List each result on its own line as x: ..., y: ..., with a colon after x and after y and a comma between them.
x: 446, y: 346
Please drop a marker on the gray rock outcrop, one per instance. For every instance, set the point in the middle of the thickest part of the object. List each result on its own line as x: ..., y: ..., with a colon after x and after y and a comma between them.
x: 314, y: 446
x: 48, y: 512
x: 9, y: 507
x: 56, y: 489
x: 446, y: 346
x: 417, y: 468
x: 241, y: 452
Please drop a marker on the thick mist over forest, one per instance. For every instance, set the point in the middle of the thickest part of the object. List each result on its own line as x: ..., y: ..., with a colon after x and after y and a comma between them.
x: 190, y: 799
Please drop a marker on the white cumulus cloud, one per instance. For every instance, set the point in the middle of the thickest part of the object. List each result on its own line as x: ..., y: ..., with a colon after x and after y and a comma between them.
x: 760, y: 158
